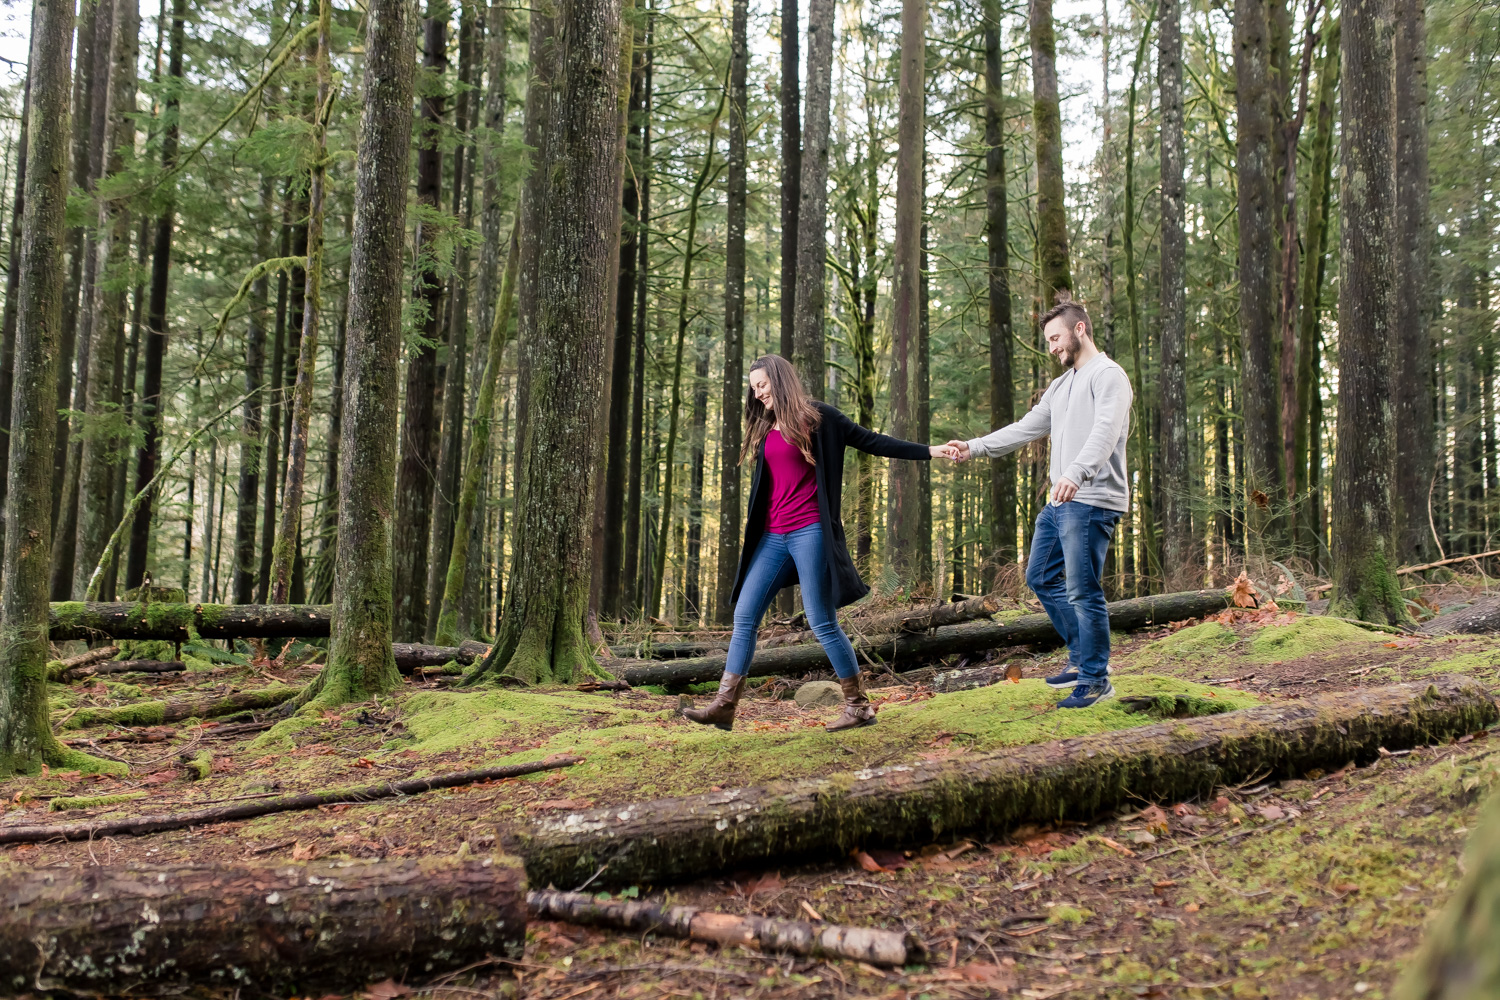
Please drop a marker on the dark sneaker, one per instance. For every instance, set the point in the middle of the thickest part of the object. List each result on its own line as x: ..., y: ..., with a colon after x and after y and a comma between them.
x: 1085, y: 695
x: 1068, y: 678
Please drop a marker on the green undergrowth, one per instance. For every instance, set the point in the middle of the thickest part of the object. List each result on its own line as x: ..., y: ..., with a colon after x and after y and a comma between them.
x: 64, y: 802
x: 638, y: 753
x: 1196, y: 642
x: 1307, y: 635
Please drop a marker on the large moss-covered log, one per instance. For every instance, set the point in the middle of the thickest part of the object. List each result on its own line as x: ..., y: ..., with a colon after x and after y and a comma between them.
x: 1067, y: 779
x: 282, y: 927
x: 1140, y: 612
x: 412, y: 656
x: 203, y: 706
x: 180, y: 622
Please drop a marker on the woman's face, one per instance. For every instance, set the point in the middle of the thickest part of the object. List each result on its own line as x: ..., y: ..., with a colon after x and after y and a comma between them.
x: 760, y: 385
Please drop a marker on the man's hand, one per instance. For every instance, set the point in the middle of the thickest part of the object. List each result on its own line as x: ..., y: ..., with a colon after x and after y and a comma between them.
x: 943, y: 451
x: 1064, y: 490
x: 960, y: 450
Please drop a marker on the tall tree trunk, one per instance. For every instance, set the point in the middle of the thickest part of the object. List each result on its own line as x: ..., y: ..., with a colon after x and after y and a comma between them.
x: 1051, y: 212
x: 541, y: 636
x: 328, y: 516
x: 693, y: 584
x: 1364, y: 549
x: 633, y: 595
x: 922, y: 391
x: 1140, y: 417
x: 812, y: 203
x: 289, y: 531
x: 271, y: 449
x: 419, y: 439
x: 791, y: 169
x: 205, y: 585
x: 1415, y: 433
x: 156, y: 313
x: 618, y: 456
x: 26, y: 739
x: 903, y: 510
x: 12, y: 303
x: 733, y: 391
x: 359, y: 655
x: 1002, y: 519
x: 1180, y: 559
x: 101, y: 449
x: 1254, y: 107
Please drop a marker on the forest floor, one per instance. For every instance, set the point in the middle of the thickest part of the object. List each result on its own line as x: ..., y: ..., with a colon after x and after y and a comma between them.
x: 1317, y: 887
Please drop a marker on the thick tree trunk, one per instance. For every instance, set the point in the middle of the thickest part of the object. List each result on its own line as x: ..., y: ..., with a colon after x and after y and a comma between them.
x: 1415, y: 431
x: 328, y: 515
x: 1070, y: 779
x: 492, y: 207
x: 289, y: 530
x: 733, y: 388
x: 791, y: 169
x: 903, y: 510
x: 419, y: 438
x: 1002, y: 480
x: 1254, y: 107
x: 12, y: 302
x: 541, y: 636
x: 26, y: 739
x: 281, y: 927
x: 812, y: 200
x: 101, y: 448
x: 1031, y: 629
x: 1150, y: 568
x: 1051, y: 212
x: 1364, y: 541
x: 630, y: 570
x: 1180, y: 558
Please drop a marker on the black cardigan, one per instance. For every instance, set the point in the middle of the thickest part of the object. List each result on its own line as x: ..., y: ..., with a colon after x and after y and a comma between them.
x: 834, y: 434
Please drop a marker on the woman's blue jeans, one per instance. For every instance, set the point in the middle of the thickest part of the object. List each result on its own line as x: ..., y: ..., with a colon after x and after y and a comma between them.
x: 770, y: 570
x: 1065, y: 570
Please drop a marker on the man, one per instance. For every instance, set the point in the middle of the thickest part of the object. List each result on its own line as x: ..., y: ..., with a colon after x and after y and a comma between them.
x: 1086, y: 410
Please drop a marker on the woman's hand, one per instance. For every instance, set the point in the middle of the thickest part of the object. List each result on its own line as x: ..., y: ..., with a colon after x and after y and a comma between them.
x: 947, y: 451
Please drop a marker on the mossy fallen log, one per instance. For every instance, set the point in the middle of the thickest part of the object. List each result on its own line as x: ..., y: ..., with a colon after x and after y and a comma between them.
x: 412, y: 656
x: 154, y: 713
x: 282, y: 927
x: 58, y: 670
x: 655, y: 842
x: 181, y: 622
x: 1124, y: 616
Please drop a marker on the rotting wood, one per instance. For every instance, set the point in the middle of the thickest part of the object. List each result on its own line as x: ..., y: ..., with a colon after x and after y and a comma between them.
x: 181, y: 622
x: 655, y: 842
x: 141, y: 825
x: 203, y: 706
x: 1140, y: 612
x: 281, y: 927
x: 859, y: 944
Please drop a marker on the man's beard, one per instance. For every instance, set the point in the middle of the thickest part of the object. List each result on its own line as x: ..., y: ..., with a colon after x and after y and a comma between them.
x: 1070, y: 350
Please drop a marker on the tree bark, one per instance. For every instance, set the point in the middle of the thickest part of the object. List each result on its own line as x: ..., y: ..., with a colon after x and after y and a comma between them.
x: 672, y: 839
x: 281, y: 927
x: 26, y: 739
x: 1051, y: 212
x: 1140, y: 419
x: 1180, y: 559
x: 419, y: 439
x: 733, y: 386
x: 328, y: 513
x: 492, y: 208
x: 631, y: 570
x: 12, y: 301
x: 1364, y: 541
x: 1415, y: 430
x: 271, y: 449
x: 1002, y: 480
x: 812, y: 200
x: 359, y: 657
x: 791, y: 169
x: 541, y: 636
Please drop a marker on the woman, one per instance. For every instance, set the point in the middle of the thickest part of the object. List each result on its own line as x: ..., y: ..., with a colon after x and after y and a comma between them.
x: 794, y: 533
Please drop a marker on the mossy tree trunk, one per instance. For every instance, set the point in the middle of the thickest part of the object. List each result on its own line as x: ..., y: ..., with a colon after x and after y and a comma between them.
x: 1051, y: 213
x: 541, y: 634
x: 1364, y: 539
x: 26, y: 739
x: 359, y: 657
x: 812, y: 198
x: 1002, y: 505
x: 790, y: 169
x: 733, y: 386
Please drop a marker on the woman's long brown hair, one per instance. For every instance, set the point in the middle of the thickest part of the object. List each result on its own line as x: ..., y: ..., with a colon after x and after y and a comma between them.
x: 793, y: 409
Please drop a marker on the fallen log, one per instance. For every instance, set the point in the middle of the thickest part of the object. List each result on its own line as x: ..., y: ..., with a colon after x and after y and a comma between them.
x: 859, y: 944
x: 1481, y: 616
x: 910, y: 620
x: 412, y: 656
x: 138, y: 826
x: 154, y: 713
x: 60, y: 669
x: 181, y: 622
x: 130, y: 667
x: 283, y: 928
x: 1139, y: 612
x: 904, y: 805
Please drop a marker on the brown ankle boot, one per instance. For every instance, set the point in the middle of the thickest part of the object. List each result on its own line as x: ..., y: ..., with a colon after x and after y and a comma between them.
x: 720, y: 711
x: 857, y: 709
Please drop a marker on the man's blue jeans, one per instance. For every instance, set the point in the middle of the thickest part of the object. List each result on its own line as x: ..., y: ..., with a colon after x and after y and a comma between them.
x: 1065, y: 571
x: 770, y: 570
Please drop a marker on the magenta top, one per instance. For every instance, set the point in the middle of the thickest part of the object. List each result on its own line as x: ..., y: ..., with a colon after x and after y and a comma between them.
x: 794, y: 486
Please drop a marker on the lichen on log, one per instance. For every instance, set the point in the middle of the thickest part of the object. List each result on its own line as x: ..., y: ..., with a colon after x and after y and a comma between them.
x: 1067, y: 779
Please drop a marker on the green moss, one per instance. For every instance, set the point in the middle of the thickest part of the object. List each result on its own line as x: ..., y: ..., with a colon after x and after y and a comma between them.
x: 142, y: 713
x: 200, y: 765
x: 1062, y: 913
x: 1196, y: 642
x: 1009, y: 616
x: 1480, y: 664
x: 124, y: 692
x: 1304, y: 636
x: 63, y: 802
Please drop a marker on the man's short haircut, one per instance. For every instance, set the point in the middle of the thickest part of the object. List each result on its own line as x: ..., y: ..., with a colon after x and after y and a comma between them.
x: 1073, y: 314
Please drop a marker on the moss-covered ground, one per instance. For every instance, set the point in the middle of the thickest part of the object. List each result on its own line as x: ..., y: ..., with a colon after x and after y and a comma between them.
x: 1315, y: 888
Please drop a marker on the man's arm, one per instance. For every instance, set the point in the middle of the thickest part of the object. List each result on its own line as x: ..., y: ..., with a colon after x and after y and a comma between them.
x: 1112, y: 397
x: 1037, y: 423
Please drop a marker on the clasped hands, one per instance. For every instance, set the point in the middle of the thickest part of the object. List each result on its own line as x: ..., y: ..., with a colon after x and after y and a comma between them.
x: 958, y: 451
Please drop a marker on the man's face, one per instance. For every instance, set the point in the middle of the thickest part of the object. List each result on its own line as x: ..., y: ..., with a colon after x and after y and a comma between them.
x: 1062, y: 341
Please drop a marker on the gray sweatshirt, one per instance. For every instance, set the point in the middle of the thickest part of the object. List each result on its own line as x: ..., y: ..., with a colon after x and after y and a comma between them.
x: 1087, y: 412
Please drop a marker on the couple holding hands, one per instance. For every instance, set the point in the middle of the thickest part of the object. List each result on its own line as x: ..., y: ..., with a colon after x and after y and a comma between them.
x: 794, y: 532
